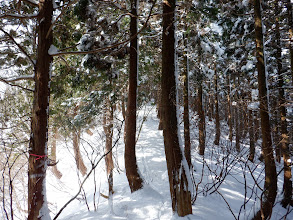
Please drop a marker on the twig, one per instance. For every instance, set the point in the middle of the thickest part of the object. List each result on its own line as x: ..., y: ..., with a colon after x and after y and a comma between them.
x: 87, y: 176
x: 3, y: 80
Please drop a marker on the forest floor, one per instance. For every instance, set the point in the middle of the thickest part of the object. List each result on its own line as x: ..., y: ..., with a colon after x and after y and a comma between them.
x: 224, y: 181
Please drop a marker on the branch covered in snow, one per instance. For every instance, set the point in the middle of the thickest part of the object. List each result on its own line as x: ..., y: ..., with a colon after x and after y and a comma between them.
x: 111, y: 46
x: 18, y: 16
x: 32, y: 2
x: 18, y: 78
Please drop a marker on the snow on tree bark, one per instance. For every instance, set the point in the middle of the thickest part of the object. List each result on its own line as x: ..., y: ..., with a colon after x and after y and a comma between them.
x: 37, y: 205
x: 178, y: 179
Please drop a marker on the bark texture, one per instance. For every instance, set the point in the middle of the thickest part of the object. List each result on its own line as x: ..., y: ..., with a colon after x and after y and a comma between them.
x: 217, y: 115
x: 270, y: 186
x: 290, y: 23
x: 287, y: 186
x: 108, y: 130
x: 77, y: 155
x: 186, y: 112
x: 180, y: 196
x: 134, y: 179
x: 56, y: 172
x: 37, y: 204
x: 200, y: 106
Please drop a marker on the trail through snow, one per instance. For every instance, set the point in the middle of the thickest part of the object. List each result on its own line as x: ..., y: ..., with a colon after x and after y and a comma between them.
x: 221, y: 191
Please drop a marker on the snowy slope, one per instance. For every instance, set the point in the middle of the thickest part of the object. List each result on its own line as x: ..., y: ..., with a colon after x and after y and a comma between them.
x: 220, y: 192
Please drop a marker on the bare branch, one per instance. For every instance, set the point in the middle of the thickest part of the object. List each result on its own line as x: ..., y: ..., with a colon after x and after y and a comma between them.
x: 31, y: 2
x: 8, y: 83
x: 19, y: 46
x: 88, y: 175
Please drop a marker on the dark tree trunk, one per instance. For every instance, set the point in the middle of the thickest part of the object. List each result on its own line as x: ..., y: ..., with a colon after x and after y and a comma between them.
x: 256, y: 126
x: 251, y: 131
x: 134, y: 179
x: 217, y: 115
x: 200, y: 106
x: 201, y: 124
x: 108, y: 130
x: 270, y: 186
x: 180, y: 196
x: 251, y: 136
x: 287, y: 186
x: 186, y: 111
x: 37, y: 205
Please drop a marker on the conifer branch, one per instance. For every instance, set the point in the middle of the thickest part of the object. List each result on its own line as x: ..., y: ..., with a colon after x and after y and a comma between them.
x: 111, y: 46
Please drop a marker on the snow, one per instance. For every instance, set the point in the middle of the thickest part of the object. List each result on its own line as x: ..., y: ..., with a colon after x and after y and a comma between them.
x: 253, y: 106
x: 216, y: 28
x: 52, y: 50
x: 245, y: 3
x: 154, y: 201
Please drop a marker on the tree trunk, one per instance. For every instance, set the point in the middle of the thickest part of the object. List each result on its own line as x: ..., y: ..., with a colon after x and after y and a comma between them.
x: 256, y: 126
x: 201, y: 125
x: 217, y: 116
x: 37, y: 204
x: 186, y: 111
x: 177, y: 171
x: 229, y: 110
x: 237, y: 113
x: 134, y: 179
x: 210, y: 107
x: 251, y: 131
x: 251, y: 136
x: 287, y: 186
x: 56, y: 172
x: 237, y: 130
x: 77, y: 155
x: 290, y: 23
x: 270, y: 186
x: 200, y: 106
x: 108, y: 130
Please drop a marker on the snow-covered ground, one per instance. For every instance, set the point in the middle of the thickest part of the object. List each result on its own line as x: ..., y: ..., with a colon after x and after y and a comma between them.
x: 223, y: 184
